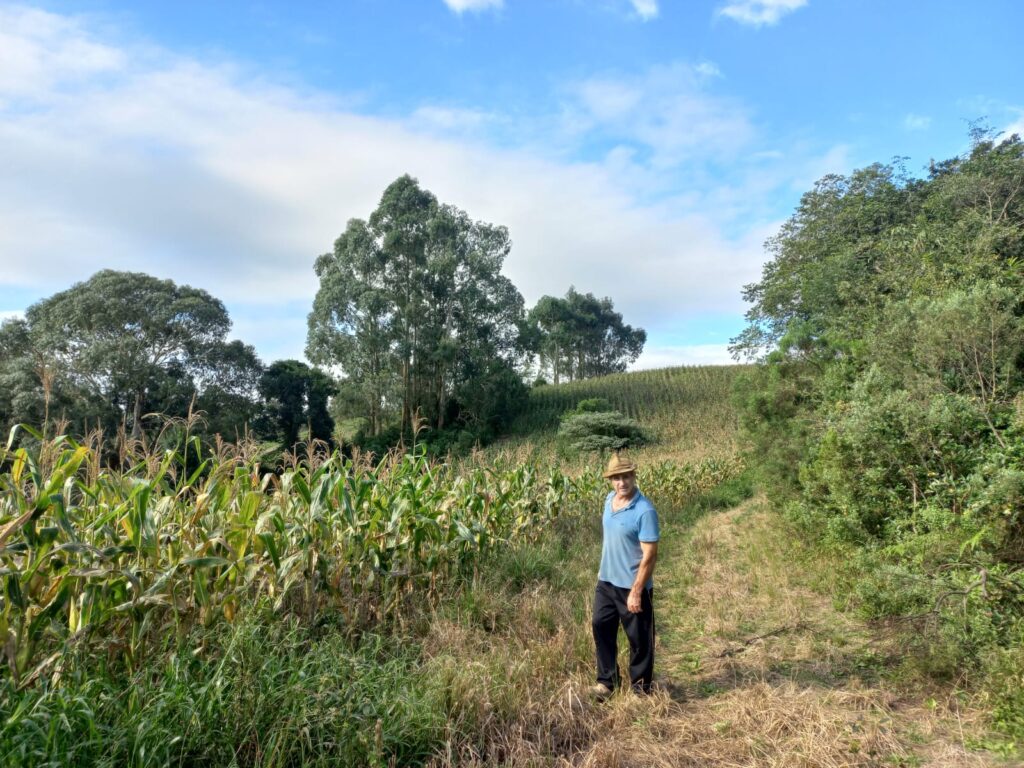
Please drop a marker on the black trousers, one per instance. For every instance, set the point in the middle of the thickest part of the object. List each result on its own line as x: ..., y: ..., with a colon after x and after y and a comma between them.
x: 609, y: 612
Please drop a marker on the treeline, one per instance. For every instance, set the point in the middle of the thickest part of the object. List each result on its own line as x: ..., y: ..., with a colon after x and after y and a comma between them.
x: 414, y: 326
x: 580, y: 337
x: 888, y: 413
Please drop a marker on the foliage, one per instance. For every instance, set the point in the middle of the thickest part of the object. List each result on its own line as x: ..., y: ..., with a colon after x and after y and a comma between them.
x: 167, y: 545
x: 260, y: 693
x: 296, y: 396
x: 602, y: 431
x: 590, y: 405
x: 109, y: 350
x: 203, y: 613
x: 641, y: 395
x: 887, y: 412
x: 413, y: 307
x: 582, y: 336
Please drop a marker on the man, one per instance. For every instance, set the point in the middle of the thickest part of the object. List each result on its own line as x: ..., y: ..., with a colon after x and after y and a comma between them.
x: 625, y: 582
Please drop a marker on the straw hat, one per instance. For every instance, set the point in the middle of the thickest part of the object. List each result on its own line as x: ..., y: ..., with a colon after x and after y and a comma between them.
x: 619, y: 465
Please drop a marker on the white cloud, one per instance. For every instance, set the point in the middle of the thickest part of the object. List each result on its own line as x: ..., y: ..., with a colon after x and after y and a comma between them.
x: 645, y: 9
x: 194, y: 172
x: 41, y: 52
x: 693, y: 354
x: 708, y: 69
x: 474, y: 6
x: 11, y: 314
x: 759, y: 13
x: 1016, y: 127
x: 914, y: 122
x: 667, y: 109
x: 450, y: 119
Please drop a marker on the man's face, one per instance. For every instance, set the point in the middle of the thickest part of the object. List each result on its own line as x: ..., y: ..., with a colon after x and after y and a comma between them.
x: 624, y: 485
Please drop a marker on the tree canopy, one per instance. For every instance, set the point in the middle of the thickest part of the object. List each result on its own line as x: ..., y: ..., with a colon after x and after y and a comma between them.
x: 582, y: 336
x: 414, y: 323
x: 122, y: 344
x: 414, y: 311
x: 296, y: 396
x: 888, y: 415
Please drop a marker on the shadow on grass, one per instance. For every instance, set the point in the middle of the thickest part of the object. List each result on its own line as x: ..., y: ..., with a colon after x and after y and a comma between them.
x: 863, y: 665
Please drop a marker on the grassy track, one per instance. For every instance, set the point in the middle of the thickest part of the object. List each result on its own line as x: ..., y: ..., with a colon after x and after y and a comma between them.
x: 759, y: 669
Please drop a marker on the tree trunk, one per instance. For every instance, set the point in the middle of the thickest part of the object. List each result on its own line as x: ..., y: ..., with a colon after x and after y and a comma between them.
x: 137, y: 416
x: 440, y: 402
x: 406, y: 396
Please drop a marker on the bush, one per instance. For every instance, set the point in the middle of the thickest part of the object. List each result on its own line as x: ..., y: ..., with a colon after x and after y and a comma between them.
x: 591, y: 405
x: 601, y: 431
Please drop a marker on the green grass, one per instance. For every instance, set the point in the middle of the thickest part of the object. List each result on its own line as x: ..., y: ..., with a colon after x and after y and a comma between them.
x: 266, y: 693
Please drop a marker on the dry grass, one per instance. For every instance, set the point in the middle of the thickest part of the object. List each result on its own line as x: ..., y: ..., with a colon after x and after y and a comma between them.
x: 767, y: 673
x: 757, y: 725
x: 755, y: 669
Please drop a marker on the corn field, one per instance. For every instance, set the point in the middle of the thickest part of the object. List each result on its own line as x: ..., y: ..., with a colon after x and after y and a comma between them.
x: 123, y: 559
x: 641, y: 395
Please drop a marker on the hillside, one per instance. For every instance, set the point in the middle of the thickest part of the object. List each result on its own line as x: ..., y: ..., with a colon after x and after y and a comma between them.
x: 689, y: 409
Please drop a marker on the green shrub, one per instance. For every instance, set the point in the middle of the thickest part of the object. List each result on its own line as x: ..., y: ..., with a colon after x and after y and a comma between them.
x: 1005, y: 680
x: 591, y: 405
x: 602, y: 431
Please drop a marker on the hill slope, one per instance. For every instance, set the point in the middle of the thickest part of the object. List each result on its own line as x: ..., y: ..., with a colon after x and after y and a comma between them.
x: 688, y: 408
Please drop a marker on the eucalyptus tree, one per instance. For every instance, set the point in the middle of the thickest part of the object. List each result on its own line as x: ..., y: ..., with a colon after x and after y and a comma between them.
x: 412, y: 305
x: 580, y: 336
x: 353, y: 324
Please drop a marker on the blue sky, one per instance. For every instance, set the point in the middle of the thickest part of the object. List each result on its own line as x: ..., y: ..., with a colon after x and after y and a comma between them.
x: 640, y: 149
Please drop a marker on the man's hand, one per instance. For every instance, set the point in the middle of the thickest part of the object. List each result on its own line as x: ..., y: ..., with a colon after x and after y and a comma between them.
x: 633, y: 601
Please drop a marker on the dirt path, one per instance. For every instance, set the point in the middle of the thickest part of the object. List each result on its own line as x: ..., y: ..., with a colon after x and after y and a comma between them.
x: 759, y: 669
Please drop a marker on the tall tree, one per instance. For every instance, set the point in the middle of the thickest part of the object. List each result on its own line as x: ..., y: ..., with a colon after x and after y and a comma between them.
x: 353, y: 322
x: 402, y: 224
x: 296, y: 396
x: 122, y: 344
x: 412, y: 304
x: 582, y: 336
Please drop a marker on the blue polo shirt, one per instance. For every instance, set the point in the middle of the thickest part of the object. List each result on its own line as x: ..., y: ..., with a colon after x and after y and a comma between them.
x: 623, y: 532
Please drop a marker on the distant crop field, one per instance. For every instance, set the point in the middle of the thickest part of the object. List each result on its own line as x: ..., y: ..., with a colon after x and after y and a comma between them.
x: 689, y: 408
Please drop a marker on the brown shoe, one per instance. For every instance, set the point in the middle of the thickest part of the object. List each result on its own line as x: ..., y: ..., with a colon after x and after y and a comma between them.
x: 600, y: 692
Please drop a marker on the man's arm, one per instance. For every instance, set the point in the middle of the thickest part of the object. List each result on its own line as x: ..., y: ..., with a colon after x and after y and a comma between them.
x: 643, y: 574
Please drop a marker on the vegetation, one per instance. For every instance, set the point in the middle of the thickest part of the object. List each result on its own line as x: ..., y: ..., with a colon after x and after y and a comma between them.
x: 296, y: 396
x: 413, y: 307
x: 888, y: 414
x: 110, y: 350
x: 594, y: 426
x: 188, y: 607
x: 661, y: 396
x: 412, y: 310
x: 198, y: 648
x: 686, y: 412
x: 171, y: 598
x: 580, y: 337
